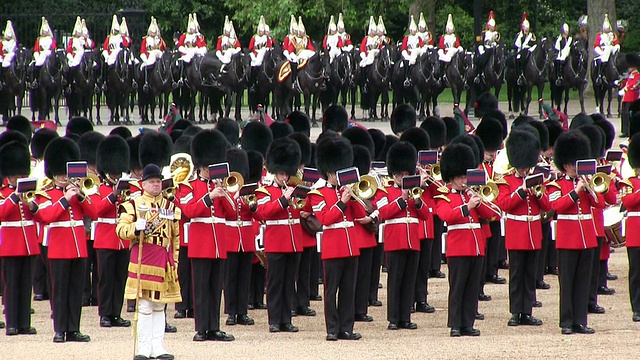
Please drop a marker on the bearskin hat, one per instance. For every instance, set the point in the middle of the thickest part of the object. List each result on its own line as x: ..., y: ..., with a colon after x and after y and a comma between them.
x: 486, y: 102
x: 379, y: 142
x: 471, y: 143
x: 238, y: 161
x: 402, y: 156
x: 182, y: 145
x: 335, y: 118
x: 403, y: 117
x: 543, y: 133
x: 208, y: 147
x: 284, y: 156
x: 456, y: 159
x: 633, y: 60
x: 14, y: 159
x: 580, y: 120
x: 79, y: 125
x: 12, y: 135
x: 305, y: 146
x: 280, y: 129
x: 391, y: 139
x: 609, y: 131
x: 633, y: 151
x: 192, y: 130
x: 453, y: 129
x: 88, y: 144
x: 596, y: 139
x: 417, y: 137
x: 155, y: 148
x: 490, y: 132
x: 300, y: 122
x: 21, y: 124
x: 480, y: 146
x: 256, y: 136
x: 121, y: 131
x: 499, y: 115
x: 521, y: 120
x: 359, y: 136
x: 437, y: 130
x: 57, y: 154
x: 555, y: 129
x: 112, y: 155
x: 523, y: 149
x: 40, y: 140
x: 230, y: 129
x: 134, y: 151
x: 175, y: 135
x: 362, y: 159
x: 312, y: 161
x: 570, y: 147
x: 181, y: 124
x: 256, y: 163
x: 333, y: 154
x: 326, y: 134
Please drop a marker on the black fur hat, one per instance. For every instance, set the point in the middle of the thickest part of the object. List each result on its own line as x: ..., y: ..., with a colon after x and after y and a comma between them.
x: 175, y: 135
x: 14, y: 159
x: 437, y: 130
x: 208, y: 147
x: 280, y: 129
x: 633, y: 151
x: 57, y: 154
x: 403, y: 117
x: 134, y: 151
x: 633, y: 60
x: 122, y: 131
x: 256, y: 136
x: 182, y: 145
x: 40, y: 140
x: 402, y: 156
x: 112, y: 155
x: 609, y: 132
x: 555, y: 129
x: 155, y: 148
x: 379, y: 142
x: 490, y: 132
x: 230, y: 129
x: 333, y: 154
x: 486, y: 102
x: 284, y: 156
x: 521, y: 120
x: 580, y: 120
x: 453, y: 129
x: 238, y: 162
x: 256, y: 163
x: 88, y: 144
x: 480, y: 146
x: 305, y: 146
x: 79, y: 125
x: 570, y: 147
x: 12, y: 135
x: 361, y: 159
x: 335, y: 118
x: 523, y: 149
x: 73, y: 136
x: 312, y: 160
x: 471, y: 143
x: 391, y: 139
x: 543, y: 132
x: 417, y: 137
x: 192, y: 130
x: 596, y: 139
x: 21, y: 124
x: 359, y: 136
x: 181, y: 124
x: 326, y: 134
x: 300, y: 122
x: 456, y: 159
x: 499, y: 115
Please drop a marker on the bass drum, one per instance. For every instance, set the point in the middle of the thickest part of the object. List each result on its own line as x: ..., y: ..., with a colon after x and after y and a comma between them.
x: 613, y: 227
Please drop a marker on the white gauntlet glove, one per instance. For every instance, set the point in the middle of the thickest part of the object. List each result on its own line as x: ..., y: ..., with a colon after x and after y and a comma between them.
x: 141, y: 224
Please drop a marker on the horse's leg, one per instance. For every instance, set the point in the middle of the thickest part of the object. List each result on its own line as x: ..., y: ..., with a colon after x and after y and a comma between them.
x: 540, y: 90
x: 528, y: 100
x: 228, y: 101
x: 238, y: 115
x: 307, y: 102
x: 609, y: 98
x: 581, y: 96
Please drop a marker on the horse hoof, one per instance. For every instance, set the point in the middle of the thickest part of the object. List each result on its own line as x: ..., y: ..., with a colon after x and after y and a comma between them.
x: 314, y: 124
x: 511, y: 117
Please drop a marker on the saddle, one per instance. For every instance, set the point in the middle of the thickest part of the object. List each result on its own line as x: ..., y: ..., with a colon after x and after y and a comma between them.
x: 285, y: 69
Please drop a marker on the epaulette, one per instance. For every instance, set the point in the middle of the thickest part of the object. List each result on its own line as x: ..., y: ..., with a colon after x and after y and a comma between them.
x: 315, y: 192
x: 187, y: 184
x: 443, y: 190
x: 499, y: 180
x: 383, y: 189
x: 263, y: 190
x: 627, y: 182
x: 554, y: 184
x: 443, y: 197
x: 135, y: 183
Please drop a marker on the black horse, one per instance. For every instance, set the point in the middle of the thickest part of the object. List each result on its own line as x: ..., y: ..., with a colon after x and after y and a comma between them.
x: 14, y: 77
x: 311, y: 79
x: 234, y: 81
x: 159, y: 80
x: 119, y: 82
x: 202, y: 78
x: 339, y: 82
x: 574, y: 74
x: 82, y: 86
x: 425, y: 77
x: 401, y: 92
x: 50, y: 82
x: 611, y: 72
x: 492, y: 74
x: 457, y: 72
x: 535, y: 73
x: 377, y: 76
x: 264, y: 81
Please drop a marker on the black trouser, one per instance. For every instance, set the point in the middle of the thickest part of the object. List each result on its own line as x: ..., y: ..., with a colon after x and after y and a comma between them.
x: 574, y: 267
x: 67, y: 283
x: 207, y: 292
x: 113, y: 270
x: 544, y: 251
x: 493, y: 250
x: 41, y: 279
x: 436, y: 245
x: 465, y: 275
x: 16, y: 290
x: 236, y: 284
x: 552, y: 254
x: 363, y: 280
x: 402, y: 268
x: 340, y: 275
x: 303, y: 280
x: 595, y: 273
x: 625, y: 117
x: 184, y: 278
x: 522, y: 280
x: 376, y: 263
x: 314, y: 274
x: 604, y: 270
x: 258, y: 277
x: 422, y: 274
x: 281, y: 275
x: 633, y: 253
x: 90, y: 292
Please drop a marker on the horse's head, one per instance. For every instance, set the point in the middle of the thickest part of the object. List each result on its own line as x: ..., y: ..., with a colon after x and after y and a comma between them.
x: 384, y: 57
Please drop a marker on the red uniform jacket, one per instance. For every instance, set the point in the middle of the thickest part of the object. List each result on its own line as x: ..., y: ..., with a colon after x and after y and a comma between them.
x: 598, y: 39
x: 88, y: 45
x: 36, y: 47
x: 406, y: 47
x: 105, y: 45
x: 205, y: 235
x: 366, y: 239
x: 240, y: 231
x: 64, y: 229
x: 402, y: 221
x: 219, y: 44
x: 346, y: 39
x: 632, y: 203
x: 200, y: 41
x: 522, y: 214
x: 632, y: 86
x: 574, y: 227
x: 426, y: 226
x: 104, y: 228
x: 441, y: 44
x: 282, y: 233
x: 464, y: 236
x: 308, y: 240
x: 291, y: 45
x: 338, y: 236
x: 18, y: 235
x: 252, y: 44
x: 324, y: 43
x: 143, y: 46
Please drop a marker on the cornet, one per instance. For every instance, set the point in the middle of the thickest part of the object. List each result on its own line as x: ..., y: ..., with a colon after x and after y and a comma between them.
x: 88, y: 185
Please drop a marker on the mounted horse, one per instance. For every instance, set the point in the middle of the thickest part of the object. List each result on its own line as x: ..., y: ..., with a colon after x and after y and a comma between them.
x: 339, y: 81
x: 50, y: 82
x: 119, y: 82
x: 14, y: 78
x: 425, y: 78
x: 457, y: 73
x: 490, y: 72
x: 202, y: 75
x: 234, y: 80
x: 574, y: 74
x: 159, y: 80
x: 312, y: 80
x: 534, y: 73
x: 82, y: 86
x: 377, y: 77
x: 260, y: 91
x: 611, y: 73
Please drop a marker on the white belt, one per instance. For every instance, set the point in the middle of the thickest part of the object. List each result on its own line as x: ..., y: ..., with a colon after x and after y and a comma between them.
x: 282, y: 222
x: 574, y: 217
x: 17, y: 223
x: 340, y: 225
x: 238, y: 223
x: 629, y: 214
x: 523, y: 217
x: 72, y: 223
x: 404, y: 220
x: 110, y: 221
x: 208, y: 220
x: 467, y: 226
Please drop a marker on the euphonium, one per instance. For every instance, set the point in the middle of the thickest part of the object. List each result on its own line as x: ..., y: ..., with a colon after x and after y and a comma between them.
x: 489, y: 192
x: 89, y: 185
x: 233, y: 182
x: 538, y: 190
x: 251, y: 200
x: 599, y: 182
x: 365, y: 188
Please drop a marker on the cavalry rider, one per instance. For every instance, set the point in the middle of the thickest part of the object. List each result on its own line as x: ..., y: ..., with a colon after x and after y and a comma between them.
x: 124, y: 31
x: 605, y: 45
x: 113, y: 43
x: 347, y: 45
x: 8, y: 47
x: 381, y: 32
x: 369, y: 48
x: 332, y: 41
x: 151, y: 49
x: 44, y: 46
x: 228, y: 44
x: 78, y: 44
x: 300, y: 49
x: 563, y: 47
x: 425, y: 34
x: 449, y: 45
x: 584, y: 30
x: 490, y: 39
x: 411, y: 49
x: 190, y: 44
x: 258, y: 46
x: 525, y: 44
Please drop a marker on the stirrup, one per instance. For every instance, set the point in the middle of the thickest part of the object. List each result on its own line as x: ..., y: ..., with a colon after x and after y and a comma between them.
x: 406, y: 83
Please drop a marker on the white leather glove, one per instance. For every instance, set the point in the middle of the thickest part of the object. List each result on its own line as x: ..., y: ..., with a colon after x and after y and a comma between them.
x: 141, y: 224
x: 621, y: 92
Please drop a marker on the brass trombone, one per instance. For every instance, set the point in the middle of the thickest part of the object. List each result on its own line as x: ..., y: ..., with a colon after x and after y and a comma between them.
x: 88, y: 185
x: 488, y: 194
x: 434, y: 174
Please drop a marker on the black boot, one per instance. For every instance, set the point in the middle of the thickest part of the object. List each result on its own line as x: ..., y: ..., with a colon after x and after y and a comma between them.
x: 145, y: 87
x: 295, y: 86
x: 558, y: 73
x: 599, y: 67
x: 180, y: 82
x: 365, y: 81
x: 253, y: 78
x: 407, y: 81
x: 36, y: 76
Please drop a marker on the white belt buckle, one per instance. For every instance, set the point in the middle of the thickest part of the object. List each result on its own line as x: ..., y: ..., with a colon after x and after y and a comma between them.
x: 73, y: 223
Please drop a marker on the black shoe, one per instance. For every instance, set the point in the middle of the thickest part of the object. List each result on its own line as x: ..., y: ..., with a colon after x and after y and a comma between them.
x: 12, y: 331
x: 514, y: 321
x: 169, y: 329
x: 469, y: 331
x: 375, y: 303
x: 245, y: 320
x: 424, y: 307
x: 537, y: 303
x: 392, y: 326
x: 612, y: 277
x: 306, y: 311
x: 379, y: 284
x: 117, y: 321
x: 200, y: 336
x: 479, y: 316
x: 596, y: 309
x: 27, y: 331
x: 332, y: 337
x: 583, y: 329
x: 636, y: 316
x: 484, y: 297
x: 455, y: 332
x: 288, y: 328
x: 436, y: 274
x: 219, y: 336
x: 344, y: 335
x: 542, y: 285
x: 274, y: 328
x: 363, y: 318
x: 105, y: 321
x: 58, y: 337
x: 407, y: 325
x: 131, y: 308
x: 38, y: 297
x: 530, y: 320
x: 315, y: 298
x: 260, y: 306
x: 413, y: 309
x: 603, y: 290
x: 231, y: 320
x: 31, y: 311
x: 77, y: 336
x: 294, y: 313
x: 250, y: 307
x: 165, y: 357
x: 495, y: 279
x: 566, y: 330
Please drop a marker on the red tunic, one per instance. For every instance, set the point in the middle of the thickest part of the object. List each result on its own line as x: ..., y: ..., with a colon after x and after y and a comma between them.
x: 340, y: 44
x: 240, y: 229
x: 632, y: 203
x: 282, y: 233
x: 252, y: 44
x: 402, y: 219
x: 105, y: 45
x: 200, y: 41
x: 366, y: 238
x: 36, y: 46
x: 18, y: 235
x: 104, y: 227
x: 405, y: 45
x: 143, y: 46
x: 632, y: 86
x: 219, y: 44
